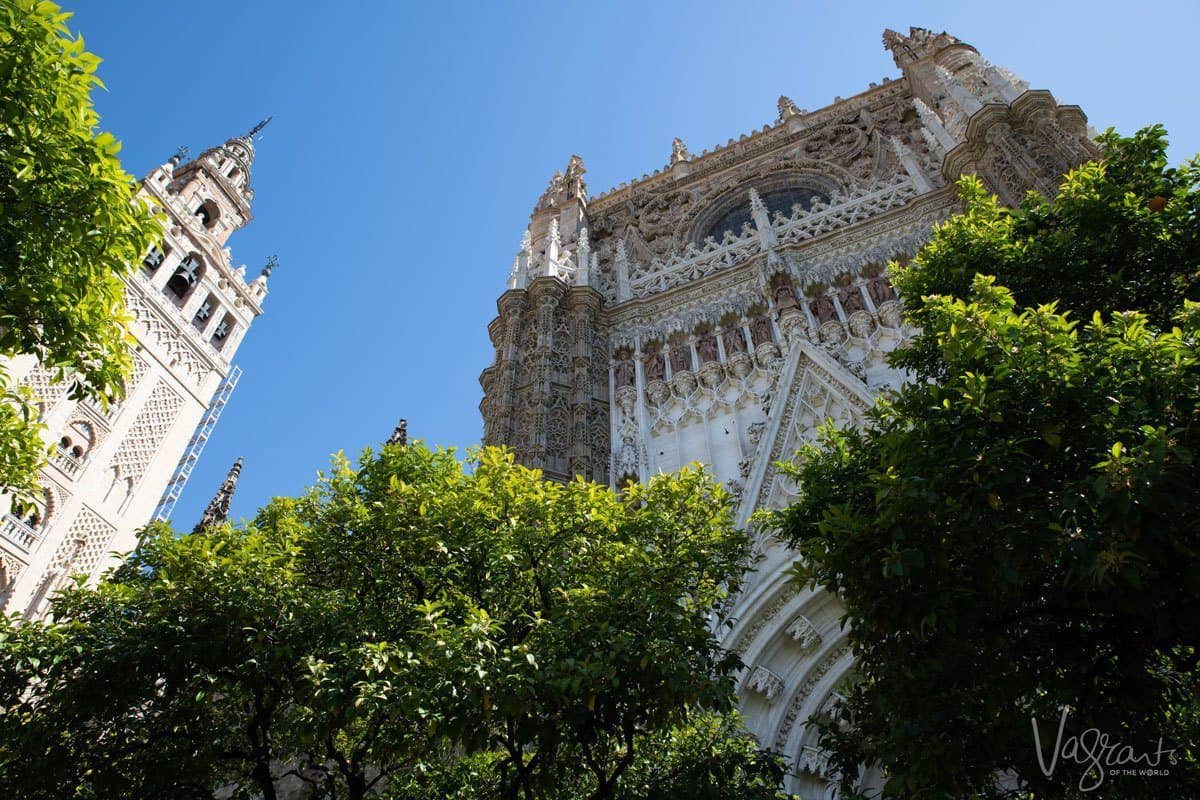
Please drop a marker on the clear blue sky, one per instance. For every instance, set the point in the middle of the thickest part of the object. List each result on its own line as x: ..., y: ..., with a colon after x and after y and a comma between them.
x: 410, y: 142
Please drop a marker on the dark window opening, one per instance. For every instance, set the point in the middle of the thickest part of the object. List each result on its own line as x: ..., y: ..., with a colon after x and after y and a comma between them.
x: 221, y: 332
x: 154, y: 258
x: 185, y: 277
x: 208, y: 213
x: 202, y: 314
x: 781, y: 200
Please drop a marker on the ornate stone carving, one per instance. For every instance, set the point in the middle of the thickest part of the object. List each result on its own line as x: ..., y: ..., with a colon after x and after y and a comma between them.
x: 787, y: 108
x: 143, y: 439
x: 679, y: 152
x: 803, y: 632
x: 766, y: 683
x: 802, y: 694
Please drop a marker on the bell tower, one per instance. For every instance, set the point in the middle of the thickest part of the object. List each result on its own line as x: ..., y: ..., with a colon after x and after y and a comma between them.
x: 113, y: 469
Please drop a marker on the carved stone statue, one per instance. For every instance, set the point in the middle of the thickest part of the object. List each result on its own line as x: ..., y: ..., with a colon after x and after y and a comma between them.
x: 681, y: 357
x: 735, y: 340
x: 575, y: 186
x: 786, y: 107
x: 852, y: 300
x: 822, y: 308
x: 654, y: 365
x: 627, y: 457
x: 624, y: 373
x: 783, y: 294
x: 679, y: 151
x: 760, y: 330
x: 880, y: 291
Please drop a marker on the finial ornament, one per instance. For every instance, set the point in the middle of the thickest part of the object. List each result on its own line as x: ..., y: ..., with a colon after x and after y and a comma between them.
x: 679, y: 151
x: 180, y: 154
x: 257, y: 128
x: 400, y: 434
x: 786, y: 108
x: 217, y: 510
x: 575, y: 185
x: 272, y: 263
x: 565, y: 186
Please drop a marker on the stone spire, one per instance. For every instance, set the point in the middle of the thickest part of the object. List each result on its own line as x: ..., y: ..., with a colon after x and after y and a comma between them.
x: 218, y: 508
x: 958, y: 91
x: 932, y: 124
x: 259, y: 285
x: 565, y: 186
x: 400, y: 434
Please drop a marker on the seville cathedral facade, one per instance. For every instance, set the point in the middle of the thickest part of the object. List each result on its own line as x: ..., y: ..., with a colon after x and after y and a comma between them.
x: 113, y: 470
x: 721, y: 308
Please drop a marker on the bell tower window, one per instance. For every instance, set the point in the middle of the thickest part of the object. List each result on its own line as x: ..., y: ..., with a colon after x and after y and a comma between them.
x: 186, y: 276
x: 155, y: 257
x: 204, y: 313
x: 221, y: 332
x: 208, y: 212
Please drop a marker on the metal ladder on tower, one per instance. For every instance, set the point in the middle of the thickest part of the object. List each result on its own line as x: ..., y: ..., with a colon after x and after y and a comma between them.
x: 183, y: 471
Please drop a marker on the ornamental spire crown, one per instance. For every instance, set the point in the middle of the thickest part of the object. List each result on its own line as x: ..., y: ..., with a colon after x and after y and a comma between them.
x: 229, y: 163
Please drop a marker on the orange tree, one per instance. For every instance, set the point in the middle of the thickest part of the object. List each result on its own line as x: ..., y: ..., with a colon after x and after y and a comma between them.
x: 405, y: 629
x: 1014, y: 533
x: 70, y: 226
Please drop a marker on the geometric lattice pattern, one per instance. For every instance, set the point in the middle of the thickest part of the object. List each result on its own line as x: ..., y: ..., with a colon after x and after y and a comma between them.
x: 181, y: 352
x: 83, y: 546
x: 48, y: 393
x: 142, y: 441
x: 140, y: 368
x: 10, y: 570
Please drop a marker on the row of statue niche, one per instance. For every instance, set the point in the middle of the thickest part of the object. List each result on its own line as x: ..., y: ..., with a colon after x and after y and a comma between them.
x: 878, y: 289
x: 706, y: 349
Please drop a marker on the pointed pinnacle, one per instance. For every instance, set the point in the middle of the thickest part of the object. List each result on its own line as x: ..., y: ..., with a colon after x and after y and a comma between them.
x: 400, y: 434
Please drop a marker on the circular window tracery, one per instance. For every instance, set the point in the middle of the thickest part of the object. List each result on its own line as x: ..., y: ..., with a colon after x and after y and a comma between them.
x: 781, y: 199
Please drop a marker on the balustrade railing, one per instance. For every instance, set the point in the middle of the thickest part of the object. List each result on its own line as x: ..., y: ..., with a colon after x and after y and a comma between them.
x: 67, y: 462
x: 18, y: 533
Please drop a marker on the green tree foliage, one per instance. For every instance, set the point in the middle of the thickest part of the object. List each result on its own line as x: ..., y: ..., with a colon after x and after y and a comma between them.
x: 405, y: 628
x: 70, y: 226
x: 1016, y: 532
